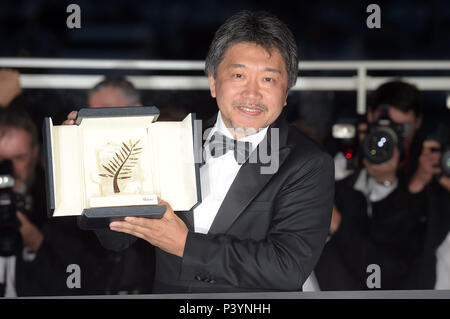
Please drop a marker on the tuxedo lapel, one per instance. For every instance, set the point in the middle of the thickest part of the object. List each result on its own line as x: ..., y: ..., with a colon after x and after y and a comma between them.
x: 188, y: 218
x: 249, y: 182
x: 246, y: 186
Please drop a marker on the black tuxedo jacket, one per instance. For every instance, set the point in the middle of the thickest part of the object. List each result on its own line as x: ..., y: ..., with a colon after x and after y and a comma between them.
x: 269, y: 231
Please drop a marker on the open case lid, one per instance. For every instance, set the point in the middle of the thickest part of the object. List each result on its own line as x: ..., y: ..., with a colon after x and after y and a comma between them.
x: 128, y: 111
x: 99, y: 217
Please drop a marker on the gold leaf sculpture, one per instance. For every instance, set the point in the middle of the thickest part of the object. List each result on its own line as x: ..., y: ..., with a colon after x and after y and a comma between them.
x: 122, y: 164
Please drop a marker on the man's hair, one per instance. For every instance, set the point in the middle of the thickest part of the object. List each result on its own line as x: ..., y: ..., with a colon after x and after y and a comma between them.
x: 129, y: 92
x: 18, y: 119
x: 398, y: 94
x: 261, y: 28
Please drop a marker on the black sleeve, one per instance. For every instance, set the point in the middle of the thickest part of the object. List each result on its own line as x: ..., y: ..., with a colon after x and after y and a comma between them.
x: 113, y: 240
x: 285, y: 258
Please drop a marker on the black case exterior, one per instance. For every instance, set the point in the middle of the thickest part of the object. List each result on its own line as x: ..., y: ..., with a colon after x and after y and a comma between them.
x: 49, y: 187
x: 198, y: 156
x: 96, y: 218
x: 100, y: 217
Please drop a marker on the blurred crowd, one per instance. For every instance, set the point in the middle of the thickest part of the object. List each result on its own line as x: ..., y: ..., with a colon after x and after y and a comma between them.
x: 392, y: 201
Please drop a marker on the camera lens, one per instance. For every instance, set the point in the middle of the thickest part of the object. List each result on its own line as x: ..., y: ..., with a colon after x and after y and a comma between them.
x: 379, y: 144
x: 445, y: 162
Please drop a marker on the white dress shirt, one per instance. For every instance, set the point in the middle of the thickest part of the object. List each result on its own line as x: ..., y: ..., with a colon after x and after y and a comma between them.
x: 443, y: 265
x: 373, y: 191
x: 217, y: 175
x: 7, y: 275
x: 340, y: 167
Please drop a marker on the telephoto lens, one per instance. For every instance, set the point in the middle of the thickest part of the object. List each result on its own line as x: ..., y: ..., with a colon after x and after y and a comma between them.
x: 10, y: 239
x: 379, y: 144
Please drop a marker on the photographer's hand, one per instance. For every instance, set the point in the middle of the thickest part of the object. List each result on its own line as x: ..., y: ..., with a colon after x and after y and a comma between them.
x: 427, y: 167
x: 444, y: 181
x: 385, y: 172
x: 336, y: 219
x: 31, y: 235
x: 9, y: 86
x: 70, y: 118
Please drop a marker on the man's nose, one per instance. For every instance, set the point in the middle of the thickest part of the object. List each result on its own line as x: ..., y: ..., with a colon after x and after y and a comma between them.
x: 252, y: 90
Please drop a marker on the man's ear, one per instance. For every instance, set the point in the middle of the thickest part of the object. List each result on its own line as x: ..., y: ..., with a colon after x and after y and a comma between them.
x: 212, y: 85
x: 285, y: 99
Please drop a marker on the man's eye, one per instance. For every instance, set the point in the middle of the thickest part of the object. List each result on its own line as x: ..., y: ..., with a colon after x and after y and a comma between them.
x: 238, y: 75
x: 268, y: 79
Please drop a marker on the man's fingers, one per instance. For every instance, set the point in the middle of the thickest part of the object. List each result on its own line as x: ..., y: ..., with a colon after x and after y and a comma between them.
x: 22, y: 218
x: 445, y: 182
x: 140, y: 221
x: 128, y: 231
x: 70, y: 118
x: 132, y: 227
x: 169, y: 211
x: 72, y: 115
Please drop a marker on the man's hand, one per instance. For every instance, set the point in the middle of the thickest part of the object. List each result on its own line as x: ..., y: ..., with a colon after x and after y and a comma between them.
x: 70, y: 118
x: 9, y: 86
x: 168, y: 233
x: 31, y: 235
x: 336, y: 219
x: 427, y: 167
x: 384, y: 172
x: 445, y: 182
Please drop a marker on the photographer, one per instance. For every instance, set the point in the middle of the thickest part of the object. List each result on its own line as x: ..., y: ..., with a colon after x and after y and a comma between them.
x: 34, y: 254
x: 432, y: 181
x: 377, y: 218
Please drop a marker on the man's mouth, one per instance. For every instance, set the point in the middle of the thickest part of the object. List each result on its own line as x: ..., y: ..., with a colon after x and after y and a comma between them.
x: 250, y: 110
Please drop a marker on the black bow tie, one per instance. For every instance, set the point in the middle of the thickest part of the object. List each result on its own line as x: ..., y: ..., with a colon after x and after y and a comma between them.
x: 219, y: 144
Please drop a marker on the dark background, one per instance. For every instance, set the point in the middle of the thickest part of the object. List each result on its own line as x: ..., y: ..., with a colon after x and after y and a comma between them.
x: 175, y: 29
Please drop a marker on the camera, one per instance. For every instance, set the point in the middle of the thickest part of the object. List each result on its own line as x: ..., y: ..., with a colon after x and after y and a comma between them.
x: 445, y: 161
x: 344, y: 131
x: 383, y: 136
x: 10, y: 203
x: 442, y: 136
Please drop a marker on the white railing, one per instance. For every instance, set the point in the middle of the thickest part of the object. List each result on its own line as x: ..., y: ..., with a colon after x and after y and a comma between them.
x: 360, y: 82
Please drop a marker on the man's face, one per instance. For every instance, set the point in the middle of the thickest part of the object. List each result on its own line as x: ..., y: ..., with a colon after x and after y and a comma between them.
x: 250, y: 87
x: 107, y: 97
x: 16, y: 145
x: 400, y: 117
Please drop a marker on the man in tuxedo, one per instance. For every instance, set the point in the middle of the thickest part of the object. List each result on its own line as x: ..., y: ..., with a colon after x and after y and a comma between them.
x: 255, y: 229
